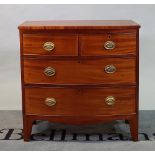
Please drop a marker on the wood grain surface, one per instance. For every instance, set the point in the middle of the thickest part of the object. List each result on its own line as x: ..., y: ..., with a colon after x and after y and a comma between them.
x: 64, y: 45
x: 78, y: 24
x: 79, y: 102
x: 83, y: 72
x: 93, y: 45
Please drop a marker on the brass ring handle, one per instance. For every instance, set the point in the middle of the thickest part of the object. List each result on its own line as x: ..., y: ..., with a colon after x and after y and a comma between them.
x: 49, y: 71
x: 110, y: 69
x: 109, y: 45
x: 48, y: 46
x: 49, y: 101
x: 110, y: 100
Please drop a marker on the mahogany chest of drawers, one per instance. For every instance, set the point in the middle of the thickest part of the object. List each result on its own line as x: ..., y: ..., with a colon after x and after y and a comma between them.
x: 80, y: 72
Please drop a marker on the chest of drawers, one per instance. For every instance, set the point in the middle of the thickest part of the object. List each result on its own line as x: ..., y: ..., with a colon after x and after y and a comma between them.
x: 79, y: 72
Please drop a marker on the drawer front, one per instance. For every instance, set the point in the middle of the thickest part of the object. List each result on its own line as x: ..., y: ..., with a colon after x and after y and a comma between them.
x: 103, y: 71
x: 114, y: 44
x: 69, y: 101
x: 56, y: 45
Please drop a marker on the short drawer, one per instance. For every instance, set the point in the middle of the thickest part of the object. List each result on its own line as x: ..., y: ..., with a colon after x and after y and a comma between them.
x: 82, y: 101
x: 48, y: 44
x: 101, y: 71
x: 108, y: 44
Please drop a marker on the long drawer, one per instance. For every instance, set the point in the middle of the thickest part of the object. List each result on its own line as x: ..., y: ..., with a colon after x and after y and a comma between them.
x: 82, y: 101
x: 103, y: 71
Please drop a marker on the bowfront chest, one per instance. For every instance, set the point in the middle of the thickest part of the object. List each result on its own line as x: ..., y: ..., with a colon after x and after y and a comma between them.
x: 80, y: 72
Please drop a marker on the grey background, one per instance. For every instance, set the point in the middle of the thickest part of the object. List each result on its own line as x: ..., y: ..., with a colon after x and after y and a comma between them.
x: 12, y: 15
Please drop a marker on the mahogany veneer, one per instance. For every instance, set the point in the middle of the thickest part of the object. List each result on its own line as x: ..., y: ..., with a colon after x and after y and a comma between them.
x: 64, y: 45
x: 80, y: 102
x: 92, y: 45
x: 80, y: 72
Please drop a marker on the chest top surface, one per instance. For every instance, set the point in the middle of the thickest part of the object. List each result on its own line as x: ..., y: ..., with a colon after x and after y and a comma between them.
x: 78, y: 24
